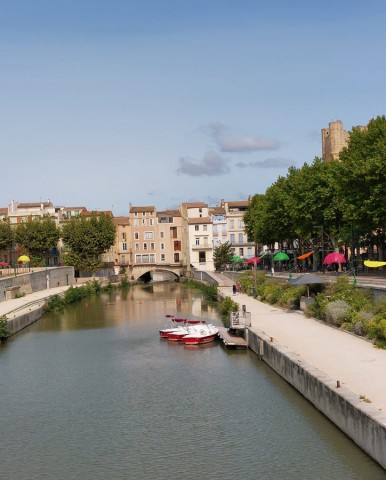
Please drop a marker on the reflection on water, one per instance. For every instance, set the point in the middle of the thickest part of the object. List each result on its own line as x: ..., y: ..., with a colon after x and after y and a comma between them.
x: 94, y: 393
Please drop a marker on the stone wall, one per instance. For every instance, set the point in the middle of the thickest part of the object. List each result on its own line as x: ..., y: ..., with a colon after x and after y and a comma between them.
x: 36, y: 281
x: 365, y: 425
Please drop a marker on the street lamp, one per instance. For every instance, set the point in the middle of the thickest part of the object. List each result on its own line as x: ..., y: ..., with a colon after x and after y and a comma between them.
x: 321, y: 228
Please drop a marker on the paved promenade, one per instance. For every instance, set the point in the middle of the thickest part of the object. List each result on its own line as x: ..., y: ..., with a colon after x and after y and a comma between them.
x: 351, y: 360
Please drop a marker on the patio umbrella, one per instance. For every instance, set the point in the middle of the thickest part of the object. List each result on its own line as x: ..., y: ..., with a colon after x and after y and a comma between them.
x: 280, y: 256
x: 368, y: 263
x: 23, y: 258
x: 305, y: 255
x: 254, y: 260
x: 237, y: 259
x: 307, y: 279
x: 334, y: 257
x: 4, y: 264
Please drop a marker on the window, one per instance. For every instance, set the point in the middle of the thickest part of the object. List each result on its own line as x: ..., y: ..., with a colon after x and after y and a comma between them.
x: 197, y: 228
x: 176, y: 258
x: 138, y: 259
x: 136, y: 223
x: 143, y: 214
x: 152, y: 258
x: 161, y: 234
x: 136, y: 236
x: 144, y: 221
x: 173, y: 232
x: 123, y: 236
x: 162, y: 246
x: 197, y: 240
x: 205, y: 240
x: 152, y: 246
x: 136, y: 214
x: 145, y: 246
x: 241, y: 250
x: 177, y: 245
x: 205, y: 227
x: 162, y: 257
x: 201, y: 257
x: 214, y: 228
x: 249, y: 252
x: 145, y: 258
x: 241, y: 238
x: 137, y: 246
x: 232, y: 224
x: 232, y: 238
x: 123, y: 260
x: 224, y: 239
x: 151, y: 221
x: 240, y: 223
x: 148, y: 236
x: 124, y: 246
x: 224, y: 228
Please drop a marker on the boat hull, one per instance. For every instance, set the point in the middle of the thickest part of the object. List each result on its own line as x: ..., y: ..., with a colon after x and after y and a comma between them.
x: 199, y: 339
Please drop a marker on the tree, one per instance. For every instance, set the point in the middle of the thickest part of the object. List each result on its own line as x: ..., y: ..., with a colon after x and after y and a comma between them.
x: 37, y: 235
x: 361, y: 179
x: 6, y: 236
x: 222, y: 255
x: 87, y: 238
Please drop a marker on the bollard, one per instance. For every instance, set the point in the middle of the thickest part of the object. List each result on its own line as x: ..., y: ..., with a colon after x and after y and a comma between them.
x: 337, y: 384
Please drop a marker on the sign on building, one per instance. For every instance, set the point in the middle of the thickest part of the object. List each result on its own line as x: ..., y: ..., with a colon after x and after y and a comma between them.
x: 240, y: 319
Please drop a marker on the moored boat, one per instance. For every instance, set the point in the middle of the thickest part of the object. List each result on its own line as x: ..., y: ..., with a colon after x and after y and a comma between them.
x: 204, y: 334
x: 190, y: 326
x: 173, y: 324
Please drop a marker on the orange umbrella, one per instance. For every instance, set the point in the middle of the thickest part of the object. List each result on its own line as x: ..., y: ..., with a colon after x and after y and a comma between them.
x: 302, y: 257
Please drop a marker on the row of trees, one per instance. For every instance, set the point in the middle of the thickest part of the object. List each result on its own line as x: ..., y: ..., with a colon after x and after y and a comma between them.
x: 85, y: 239
x: 345, y: 199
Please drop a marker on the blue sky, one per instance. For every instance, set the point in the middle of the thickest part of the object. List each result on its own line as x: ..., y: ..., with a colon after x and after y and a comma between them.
x: 107, y: 103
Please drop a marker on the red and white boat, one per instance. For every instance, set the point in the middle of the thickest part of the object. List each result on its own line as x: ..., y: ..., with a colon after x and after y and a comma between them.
x: 173, y: 324
x: 190, y: 326
x: 202, y: 334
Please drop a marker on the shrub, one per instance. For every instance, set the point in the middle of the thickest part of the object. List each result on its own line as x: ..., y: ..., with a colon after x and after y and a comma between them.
x: 4, y: 330
x: 336, y: 312
x: 54, y: 304
x: 226, y: 307
x: 124, y: 282
x: 291, y: 297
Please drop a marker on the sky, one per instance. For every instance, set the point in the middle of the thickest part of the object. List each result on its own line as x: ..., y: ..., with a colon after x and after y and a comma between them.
x: 107, y: 104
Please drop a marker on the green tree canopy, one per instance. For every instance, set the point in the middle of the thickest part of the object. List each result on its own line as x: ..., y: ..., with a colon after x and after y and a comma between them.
x: 37, y: 235
x: 87, y: 238
x: 6, y: 236
x: 222, y: 255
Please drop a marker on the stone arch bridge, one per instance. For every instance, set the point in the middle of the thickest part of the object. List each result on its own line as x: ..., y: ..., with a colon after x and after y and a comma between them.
x: 138, y: 271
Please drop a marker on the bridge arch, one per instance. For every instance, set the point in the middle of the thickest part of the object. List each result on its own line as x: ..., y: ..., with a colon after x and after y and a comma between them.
x: 139, y: 271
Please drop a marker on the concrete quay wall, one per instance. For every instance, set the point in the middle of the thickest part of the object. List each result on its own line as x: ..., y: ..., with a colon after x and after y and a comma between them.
x: 25, y: 319
x: 358, y: 420
x: 36, y: 281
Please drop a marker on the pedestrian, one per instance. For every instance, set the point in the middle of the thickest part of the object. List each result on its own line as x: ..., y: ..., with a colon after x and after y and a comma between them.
x: 234, y: 289
x: 238, y: 287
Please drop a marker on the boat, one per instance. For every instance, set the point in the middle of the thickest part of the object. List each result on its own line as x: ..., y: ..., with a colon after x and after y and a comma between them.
x: 203, y: 334
x: 189, y: 327
x: 172, y: 324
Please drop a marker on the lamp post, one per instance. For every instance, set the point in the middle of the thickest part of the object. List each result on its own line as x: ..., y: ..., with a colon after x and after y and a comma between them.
x: 322, y: 235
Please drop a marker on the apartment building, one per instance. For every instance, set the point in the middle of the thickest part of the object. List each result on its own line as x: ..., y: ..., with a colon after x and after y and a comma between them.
x: 122, y: 247
x: 235, y: 228
x: 198, y: 236
x: 143, y: 221
x: 169, y: 235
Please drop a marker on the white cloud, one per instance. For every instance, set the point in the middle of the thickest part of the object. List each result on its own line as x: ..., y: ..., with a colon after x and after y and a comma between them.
x: 268, y: 163
x: 211, y: 165
x: 226, y: 142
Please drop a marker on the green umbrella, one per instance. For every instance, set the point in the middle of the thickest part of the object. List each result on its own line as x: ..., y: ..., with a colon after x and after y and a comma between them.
x: 237, y: 259
x: 280, y: 256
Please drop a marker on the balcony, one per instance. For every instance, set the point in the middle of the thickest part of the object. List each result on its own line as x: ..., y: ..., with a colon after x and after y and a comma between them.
x: 204, y: 246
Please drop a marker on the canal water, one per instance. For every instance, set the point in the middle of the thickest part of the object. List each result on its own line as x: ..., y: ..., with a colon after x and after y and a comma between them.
x: 94, y: 393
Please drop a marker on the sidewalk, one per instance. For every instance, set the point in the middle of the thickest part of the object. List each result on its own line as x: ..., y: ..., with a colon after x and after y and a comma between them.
x: 17, y: 306
x: 355, y: 362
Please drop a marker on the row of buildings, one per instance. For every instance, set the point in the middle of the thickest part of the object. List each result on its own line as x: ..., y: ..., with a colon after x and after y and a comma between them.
x: 181, y: 239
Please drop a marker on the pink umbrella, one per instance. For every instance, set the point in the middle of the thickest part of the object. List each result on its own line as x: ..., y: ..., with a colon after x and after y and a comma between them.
x: 254, y: 260
x: 334, y: 257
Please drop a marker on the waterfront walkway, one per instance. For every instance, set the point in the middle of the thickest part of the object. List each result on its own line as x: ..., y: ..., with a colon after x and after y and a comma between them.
x: 349, y: 359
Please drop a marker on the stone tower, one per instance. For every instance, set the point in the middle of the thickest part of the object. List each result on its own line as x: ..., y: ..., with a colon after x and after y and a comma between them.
x: 334, y: 138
